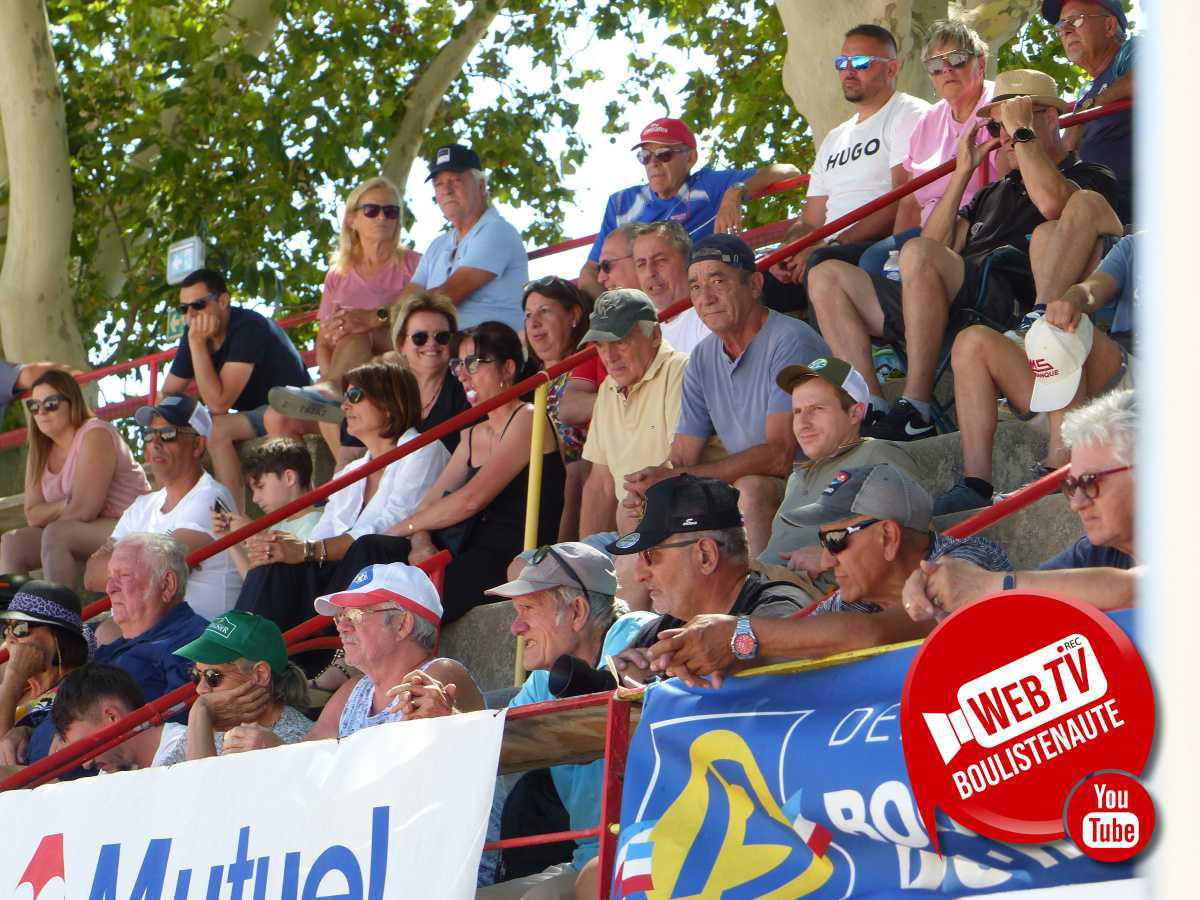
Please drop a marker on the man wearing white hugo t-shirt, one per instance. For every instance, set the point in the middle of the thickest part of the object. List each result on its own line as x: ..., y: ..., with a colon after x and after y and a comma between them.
x: 174, y: 432
x: 862, y: 158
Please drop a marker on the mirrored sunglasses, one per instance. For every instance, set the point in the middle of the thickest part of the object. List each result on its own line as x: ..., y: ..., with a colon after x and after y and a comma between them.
x: 470, y: 363
x: 49, y: 403
x: 15, y: 629
x: 663, y: 155
x: 859, y: 62
x: 955, y: 59
x: 168, y: 434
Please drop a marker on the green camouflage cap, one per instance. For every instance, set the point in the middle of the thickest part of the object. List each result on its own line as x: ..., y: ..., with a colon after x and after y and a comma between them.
x: 615, y: 314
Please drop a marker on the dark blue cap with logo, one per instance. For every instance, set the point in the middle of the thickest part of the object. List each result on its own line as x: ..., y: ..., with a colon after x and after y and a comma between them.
x: 1052, y: 11
x: 454, y: 158
x: 725, y: 248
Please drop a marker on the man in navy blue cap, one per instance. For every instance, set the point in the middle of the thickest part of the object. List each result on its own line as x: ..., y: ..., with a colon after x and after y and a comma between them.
x: 729, y: 388
x: 1094, y: 37
x: 480, y: 262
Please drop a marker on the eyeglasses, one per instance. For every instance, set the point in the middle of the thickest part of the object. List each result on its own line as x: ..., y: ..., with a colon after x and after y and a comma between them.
x: 648, y: 555
x: 1090, y: 483
x: 421, y: 338
x: 356, y: 615
x: 542, y: 552
x: 197, y: 305
x: 836, y: 539
x: 168, y: 434
x: 47, y: 404
x: 665, y: 155
x: 1075, y: 20
x: 355, y: 395
x: 470, y: 363
x: 546, y: 281
x: 372, y: 210
x: 211, y: 676
x: 15, y: 629
x: 607, y: 265
x: 858, y: 62
x: 955, y: 59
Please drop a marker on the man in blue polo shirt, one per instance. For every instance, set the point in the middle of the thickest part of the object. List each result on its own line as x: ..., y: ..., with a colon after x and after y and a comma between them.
x: 147, y: 577
x: 1093, y: 34
x: 480, y: 262
x: 729, y: 388
x: 702, y: 202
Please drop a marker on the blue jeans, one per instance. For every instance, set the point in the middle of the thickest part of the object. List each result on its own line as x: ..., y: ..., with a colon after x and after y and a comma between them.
x: 872, y: 261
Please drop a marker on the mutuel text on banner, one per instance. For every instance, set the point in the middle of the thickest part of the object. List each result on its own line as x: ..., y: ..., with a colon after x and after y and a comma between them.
x: 795, y: 785
x: 372, y: 817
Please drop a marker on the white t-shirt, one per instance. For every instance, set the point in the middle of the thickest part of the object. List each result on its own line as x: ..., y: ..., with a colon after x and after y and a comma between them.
x: 213, y: 586
x: 403, y: 485
x: 854, y: 163
x: 685, y: 331
x: 173, y: 735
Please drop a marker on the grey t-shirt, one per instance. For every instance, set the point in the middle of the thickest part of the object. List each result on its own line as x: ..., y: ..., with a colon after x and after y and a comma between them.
x: 9, y: 372
x: 291, y: 728
x: 732, y: 398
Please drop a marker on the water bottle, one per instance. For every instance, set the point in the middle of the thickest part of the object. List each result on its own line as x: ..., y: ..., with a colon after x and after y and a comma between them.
x: 891, y: 268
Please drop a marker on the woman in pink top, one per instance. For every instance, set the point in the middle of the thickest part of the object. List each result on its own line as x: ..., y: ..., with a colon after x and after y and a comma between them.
x: 79, y: 477
x: 366, y: 275
x: 955, y: 58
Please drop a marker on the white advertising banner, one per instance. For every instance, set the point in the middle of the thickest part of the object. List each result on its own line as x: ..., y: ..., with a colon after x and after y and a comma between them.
x: 393, y: 811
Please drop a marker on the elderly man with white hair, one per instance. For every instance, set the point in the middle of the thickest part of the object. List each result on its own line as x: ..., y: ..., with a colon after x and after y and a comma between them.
x: 479, y: 262
x: 1099, y: 568
x: 567, y: 612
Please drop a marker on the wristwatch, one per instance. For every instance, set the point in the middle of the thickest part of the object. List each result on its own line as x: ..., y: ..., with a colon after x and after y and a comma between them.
x: 744, y: 643
x: 1024, y: 134
x: 384, y: 313
x: 741, y: 186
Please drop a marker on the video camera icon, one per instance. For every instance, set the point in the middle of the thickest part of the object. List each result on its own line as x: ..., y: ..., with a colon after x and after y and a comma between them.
x: 1019, y: 697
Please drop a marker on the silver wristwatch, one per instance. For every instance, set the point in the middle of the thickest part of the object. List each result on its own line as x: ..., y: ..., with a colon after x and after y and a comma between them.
x: 744, y: 642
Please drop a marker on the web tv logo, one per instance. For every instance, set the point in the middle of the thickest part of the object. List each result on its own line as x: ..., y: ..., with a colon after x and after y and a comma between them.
x: 336, y: 868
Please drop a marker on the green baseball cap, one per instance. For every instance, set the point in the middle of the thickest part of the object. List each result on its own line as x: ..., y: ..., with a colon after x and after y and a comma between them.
x: 836, y: 371
x: 615, y: 314
x: 239, y: 635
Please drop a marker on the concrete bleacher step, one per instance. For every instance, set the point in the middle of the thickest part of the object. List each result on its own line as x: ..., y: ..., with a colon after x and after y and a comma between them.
x: 481, y: 641
x: 1019, y: 446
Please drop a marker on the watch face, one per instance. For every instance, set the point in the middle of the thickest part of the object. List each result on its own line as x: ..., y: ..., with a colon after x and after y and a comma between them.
x: 744, y: 646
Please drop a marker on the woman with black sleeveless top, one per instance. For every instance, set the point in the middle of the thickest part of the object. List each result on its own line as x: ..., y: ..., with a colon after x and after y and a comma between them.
x: 476, y: 508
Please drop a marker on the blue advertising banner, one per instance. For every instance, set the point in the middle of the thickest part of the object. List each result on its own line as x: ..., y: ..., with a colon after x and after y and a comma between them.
x: 793, y: 784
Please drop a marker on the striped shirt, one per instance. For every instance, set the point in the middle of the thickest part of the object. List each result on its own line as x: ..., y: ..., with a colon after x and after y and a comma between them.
x: 980, y: 551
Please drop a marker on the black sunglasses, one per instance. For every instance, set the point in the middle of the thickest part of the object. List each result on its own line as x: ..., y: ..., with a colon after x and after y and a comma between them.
x: 168, y: 434
x: 211, y: 676
x: 470, y: 363
x: 665, y: 155
x: 372, y: 210
x: 47, y: 404
x: 196, y: 305
x: 607, y: 265
x: 15, y: 629
x: 1090, y: 483
x: 836, y: 539
x: 354, y: 395
x: 542, y: 552
x: 421, y: 338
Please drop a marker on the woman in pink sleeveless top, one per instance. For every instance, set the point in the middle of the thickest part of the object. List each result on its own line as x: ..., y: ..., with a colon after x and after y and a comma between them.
x: 80, y: 476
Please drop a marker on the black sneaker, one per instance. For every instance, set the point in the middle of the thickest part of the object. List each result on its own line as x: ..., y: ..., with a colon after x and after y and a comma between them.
x: 959, y: 498
x: 902, y: 423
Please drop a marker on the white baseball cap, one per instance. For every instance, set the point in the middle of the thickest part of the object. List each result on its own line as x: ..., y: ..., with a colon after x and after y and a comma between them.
x: 403, y: 586
x: 1056, y: 358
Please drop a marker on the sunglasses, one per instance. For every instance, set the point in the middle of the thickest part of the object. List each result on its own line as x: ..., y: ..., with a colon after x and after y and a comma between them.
x: 421, y: 338
x: 836, y: 539
x: 15, y: 629
x: 470, y: 363
x: 1090, y: 483
x: 196, y: 305
x: 607, y: 265
x: 46, y: 404
x: 168, y: 434
x: 372, y: 210
x: 355, y: 395
x: 1075, y: 21
x: 211, y: 677
x: 859, y: 62
x: 542, y: 552
x: 648, y: 555
x: 665, y: 155
x: 955, y: 59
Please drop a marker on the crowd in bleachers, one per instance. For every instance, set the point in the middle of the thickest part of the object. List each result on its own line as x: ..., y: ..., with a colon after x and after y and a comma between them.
x: 704, y: 477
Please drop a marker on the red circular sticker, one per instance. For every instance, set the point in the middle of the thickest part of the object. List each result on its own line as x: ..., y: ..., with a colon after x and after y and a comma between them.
x: 1110, y: 816
x: 1013, y: 700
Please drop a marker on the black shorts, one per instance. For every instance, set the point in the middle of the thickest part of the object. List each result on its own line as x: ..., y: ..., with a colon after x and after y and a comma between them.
x: 1001, y: 305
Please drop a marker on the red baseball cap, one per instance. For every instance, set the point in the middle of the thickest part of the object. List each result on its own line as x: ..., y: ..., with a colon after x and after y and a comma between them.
x: 667, y: 131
